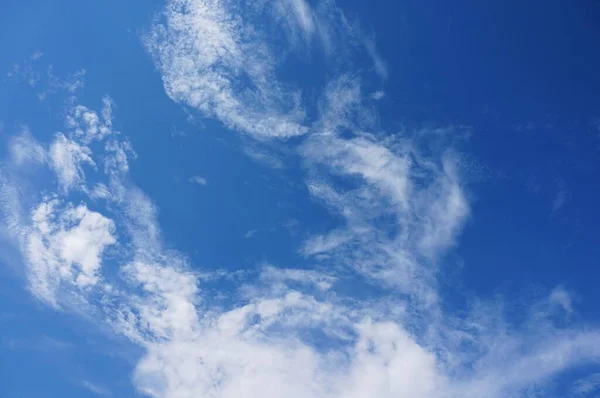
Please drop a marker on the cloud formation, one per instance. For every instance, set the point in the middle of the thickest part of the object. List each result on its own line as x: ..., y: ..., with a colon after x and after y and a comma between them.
x: 294, y: 330
x: 211, y: 60
x: 366, y: 319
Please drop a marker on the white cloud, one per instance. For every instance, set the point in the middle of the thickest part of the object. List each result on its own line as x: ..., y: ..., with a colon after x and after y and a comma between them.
x: 286, y: 331
x: 290, y: 332
x: 70, y: 84
x: 67, y: 158
x: 45, y: 82
x: 446, y: 211
x: 401, y: 211
x: 64, y: 245
x: 561, y: 298
x: 36, y: 55
x: 95, y: 388
x: 214, y: 56
x: 377, y: 95
x: 264, y: 157
x: 198, y: 180
x: 25, y: 149
x: 325, y: 243
x: 586, y: 385
x: 296, y: 15
x: 275, y: 275
x: 341, y: 103
x: 61, y: 242
x: 559, y: 200
x: 378, y: 62
x: 87, y: 126
x: 100, y: 191
x: 204, y: 50
x: 11, y: 211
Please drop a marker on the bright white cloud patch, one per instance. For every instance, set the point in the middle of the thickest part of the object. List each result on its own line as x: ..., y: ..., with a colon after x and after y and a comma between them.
x: 65, y: 245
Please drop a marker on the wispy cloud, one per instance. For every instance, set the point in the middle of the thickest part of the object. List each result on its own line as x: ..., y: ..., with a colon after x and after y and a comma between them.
x: 46, y: 82
x: 378, y: 62
x: 561, y: 298
x: 198, y: 180
x: 298, y: 18
x: 377, y: 95
x: 206, y: 74
x: 36, y: 55
x: 586, y: 385
x: 214, y: 56
x: 403, y: 207
x: 24, y: 149
x: 43, y: 343
x: 264, y: 157
x: 68, y: 159
x: 559, y: 200
x: 95, y: 388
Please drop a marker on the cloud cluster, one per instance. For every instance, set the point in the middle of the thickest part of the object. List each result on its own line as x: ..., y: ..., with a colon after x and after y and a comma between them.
x: 366, y: 320
x: 293, y: 331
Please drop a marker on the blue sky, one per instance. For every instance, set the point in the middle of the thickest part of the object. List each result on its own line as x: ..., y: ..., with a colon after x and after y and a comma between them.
x: 219, y: 198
